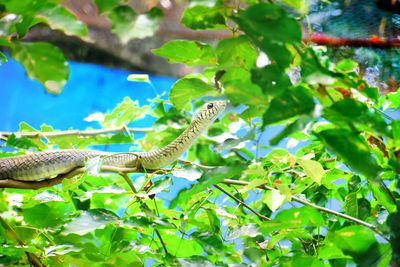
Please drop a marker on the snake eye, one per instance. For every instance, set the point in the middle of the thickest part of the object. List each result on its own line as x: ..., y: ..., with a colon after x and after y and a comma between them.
x: 210, y: 105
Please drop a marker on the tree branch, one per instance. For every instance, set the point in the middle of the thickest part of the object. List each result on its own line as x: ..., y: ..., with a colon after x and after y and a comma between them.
x: 76, y: 132
x: 310, y: 204
x: 259, y: 215
x: 32, y: 258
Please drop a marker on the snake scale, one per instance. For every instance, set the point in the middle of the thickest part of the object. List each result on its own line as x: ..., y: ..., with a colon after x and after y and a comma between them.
x: 48, y: 164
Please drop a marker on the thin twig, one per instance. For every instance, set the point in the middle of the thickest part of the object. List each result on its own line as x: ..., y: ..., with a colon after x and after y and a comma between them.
x: 310, y: 204
x: 76, y: 132
x: 129, y: 182
x: 32, y: 258
x: 260, y: 216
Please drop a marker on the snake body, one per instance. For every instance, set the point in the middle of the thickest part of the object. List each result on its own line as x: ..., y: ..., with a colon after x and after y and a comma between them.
x: 45, y: 165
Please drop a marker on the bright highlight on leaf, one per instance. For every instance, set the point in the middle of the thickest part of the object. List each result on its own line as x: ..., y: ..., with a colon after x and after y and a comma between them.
x: 139, y: 78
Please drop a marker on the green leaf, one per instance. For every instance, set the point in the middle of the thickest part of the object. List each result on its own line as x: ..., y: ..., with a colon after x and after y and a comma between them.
x: 274, y: 199
x: 240, y: 89
x: 351, y: 111
x: 394, y: 99
x: 49, y: 214
x: 346, y: 65
x: 271, y: 28
x: 126, y: 112
x: 236, y: 52
x: 313, y: 72
x: 300, y: 5
x: 352, y: 240
x: 396, y: 132
x: 160, y: 185
x: 313, y: 169
x: 187, y: 89
x: 272, y: 79
x: 290, y: 103
x: 88, y: 221
x: 382, y: 195
x: 106, y: 5
x: 210, y: 177
x: 128, y: 25
x: 191, y: 53
x: 60, y: 18
x: 269, y: 22
x: 214, y: 221
x: 204, y: 18
x: 3, y: 58
x: 294, y: 218
x: 351, y: 204
x: 181, y: 247
x: 43, y: 62
x: 352, y: 149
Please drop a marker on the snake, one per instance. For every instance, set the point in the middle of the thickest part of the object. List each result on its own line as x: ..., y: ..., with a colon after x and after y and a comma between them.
x: 48, y: 164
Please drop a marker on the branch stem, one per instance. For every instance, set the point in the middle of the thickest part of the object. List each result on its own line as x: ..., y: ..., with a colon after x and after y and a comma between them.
x: 310, y: 204
x: 237, y: 200
x: 76, y: 132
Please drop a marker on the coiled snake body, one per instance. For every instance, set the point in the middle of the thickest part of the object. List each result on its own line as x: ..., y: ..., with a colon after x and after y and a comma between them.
x: 44, y: 165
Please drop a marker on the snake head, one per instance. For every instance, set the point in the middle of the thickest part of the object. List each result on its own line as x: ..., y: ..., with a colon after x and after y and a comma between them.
x: 210, y: 111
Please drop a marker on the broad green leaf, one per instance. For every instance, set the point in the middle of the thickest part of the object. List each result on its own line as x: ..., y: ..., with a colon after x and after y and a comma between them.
x: 181, y: 247
x: 313, y: 169
x: 160, y: 185
x: 106, y: 5
x: 297, y: 101
x: 396, y: 132
x: 382, y: 195
x: 354, y: 239
x: 313, y: 72
x: 3, y: 58
x: 204, y: 18
x: 252, y: 184
x: 351, y: 204
x: 187, y: 89
x: 236, y: 52
x: 240, y: 89
x: 394, y: 99
x: 270, y: 27
x: 301, y: 260
x: 49, y: 214
x: 351, y: 111
x: 346, y: 65
x: 330, y: 251
x: 191, y: 53
x: 126, y: 112
x: 269, y: 22
x: 60, y: 18
x: 352, y: 149
x: 43, y: 62
x: 88, y: 221
x: 128, y: 25
x: 211, y: 242
x: 213, y: 220
x: 294, y: 218
x: 272, y: 79
x: 274, y: 199
x: 21, y: 142
x: 209, y: 178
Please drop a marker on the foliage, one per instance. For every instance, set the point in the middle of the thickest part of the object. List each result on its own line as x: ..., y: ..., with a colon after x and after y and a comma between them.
x: 347, y: 160
x: 43, y: 61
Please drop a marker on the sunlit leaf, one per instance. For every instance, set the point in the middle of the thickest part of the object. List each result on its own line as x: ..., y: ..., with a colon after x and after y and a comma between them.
x: 313, y: 169
x: 128, y: 25
x: 352, y: 149
x: 274, y: 199
x: 88, y: 221
x: 202, y: 18
x: 187, y: 89
x: 191, y: 53
x: 43, y: 62
x: 288, y: 104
